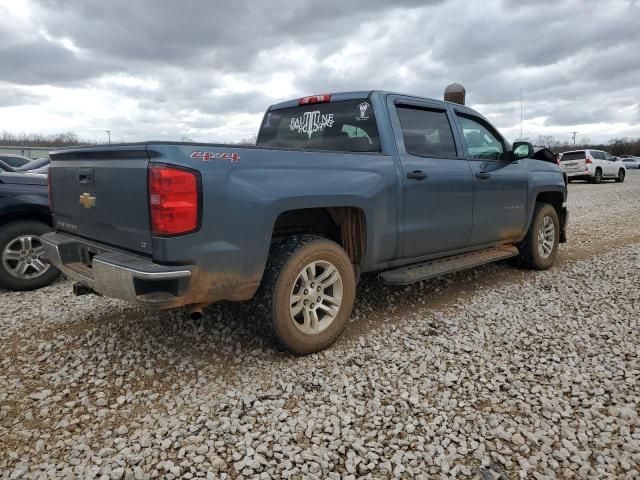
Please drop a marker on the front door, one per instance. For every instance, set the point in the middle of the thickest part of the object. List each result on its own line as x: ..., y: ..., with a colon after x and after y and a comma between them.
x: 438, y: 189
x: 500, y: 187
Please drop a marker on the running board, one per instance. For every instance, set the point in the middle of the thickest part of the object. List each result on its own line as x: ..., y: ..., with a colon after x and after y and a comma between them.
x: 425, y: 270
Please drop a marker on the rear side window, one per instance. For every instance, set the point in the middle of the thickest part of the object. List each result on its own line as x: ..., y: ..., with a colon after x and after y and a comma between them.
x: 597, y: 155
x: 573, y: 156
x: 427, y: 133
x: 344, y: 126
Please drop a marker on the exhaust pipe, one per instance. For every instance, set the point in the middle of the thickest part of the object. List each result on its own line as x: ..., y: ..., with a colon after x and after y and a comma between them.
x: 195, y: 312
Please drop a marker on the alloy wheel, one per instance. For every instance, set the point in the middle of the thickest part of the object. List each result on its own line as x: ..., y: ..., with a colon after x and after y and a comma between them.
x: 21, y: 257
x: 316, y: 297
x: 546, y: 237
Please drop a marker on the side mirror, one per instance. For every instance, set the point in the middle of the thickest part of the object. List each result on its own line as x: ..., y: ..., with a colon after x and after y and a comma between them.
x: 522, y: 150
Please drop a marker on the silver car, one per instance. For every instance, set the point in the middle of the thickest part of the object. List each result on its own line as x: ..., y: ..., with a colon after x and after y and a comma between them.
x: 630, y: 161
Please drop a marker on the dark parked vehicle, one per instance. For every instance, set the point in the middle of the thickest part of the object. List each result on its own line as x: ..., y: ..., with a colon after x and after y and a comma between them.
x: 24, y: 217
x: 338, y: 185
x: 14, y: 161
x: 5, y: 167
x: 39, y: 165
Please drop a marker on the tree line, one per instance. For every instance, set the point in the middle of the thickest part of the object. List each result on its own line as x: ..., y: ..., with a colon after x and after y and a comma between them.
x: 615, y: 146
x: 70, y: 139
x: 66, y: 139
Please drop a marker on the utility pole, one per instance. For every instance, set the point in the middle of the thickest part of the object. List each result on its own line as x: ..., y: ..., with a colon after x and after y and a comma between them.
x: 521, y: 114
x: 108, y: 134
x: 574, y: 137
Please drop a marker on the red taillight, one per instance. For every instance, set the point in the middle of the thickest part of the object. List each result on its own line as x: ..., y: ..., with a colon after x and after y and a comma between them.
x: 588, y: 160
x: 173, y: 200
x: 49, y: 189
x: 324, y: 98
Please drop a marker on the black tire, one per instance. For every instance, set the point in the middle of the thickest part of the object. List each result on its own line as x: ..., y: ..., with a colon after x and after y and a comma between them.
x: 530, y: 255
x: 286, y: 261
x: 621, y: 175
x: 598, y: 176
x: 9, y: 233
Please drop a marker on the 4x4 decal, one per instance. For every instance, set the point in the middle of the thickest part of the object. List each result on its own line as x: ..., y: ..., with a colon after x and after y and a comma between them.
x: 207, y: 156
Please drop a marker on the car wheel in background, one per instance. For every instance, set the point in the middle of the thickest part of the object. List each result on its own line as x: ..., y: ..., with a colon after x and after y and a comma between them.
x: 598, y: 176
x: 307, y: 293
x: 21, y: 252
x: 621, y: 175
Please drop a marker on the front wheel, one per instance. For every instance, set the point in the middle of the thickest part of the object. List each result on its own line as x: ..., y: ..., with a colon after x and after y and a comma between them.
x: 621, y: 175
x: 539, y: 248
x: 21, y: 252
x: 307, y: 293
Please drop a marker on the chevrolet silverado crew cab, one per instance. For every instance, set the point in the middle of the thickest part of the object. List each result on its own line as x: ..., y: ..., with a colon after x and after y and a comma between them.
x: 337, y: 185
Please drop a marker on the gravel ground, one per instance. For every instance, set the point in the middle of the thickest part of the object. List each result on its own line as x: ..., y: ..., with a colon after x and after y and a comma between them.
x: 494, y: 373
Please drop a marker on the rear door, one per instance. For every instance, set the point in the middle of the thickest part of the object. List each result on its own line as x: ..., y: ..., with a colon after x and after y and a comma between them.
x: 101, y: 194
x: 500, y: 187
x: 438, y: 190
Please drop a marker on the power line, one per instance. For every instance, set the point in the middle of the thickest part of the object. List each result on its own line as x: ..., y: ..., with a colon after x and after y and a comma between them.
x: 574, y: 137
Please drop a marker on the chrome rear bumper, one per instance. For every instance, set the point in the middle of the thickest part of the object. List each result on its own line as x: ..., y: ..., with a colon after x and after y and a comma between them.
x: 119, y: 274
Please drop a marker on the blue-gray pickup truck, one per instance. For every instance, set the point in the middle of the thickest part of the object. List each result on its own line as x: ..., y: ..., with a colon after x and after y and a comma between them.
x: 337, y: 185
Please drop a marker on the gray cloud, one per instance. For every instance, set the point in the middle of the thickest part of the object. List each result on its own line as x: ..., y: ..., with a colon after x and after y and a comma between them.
x: 11, y: 96
x: 45, y: 62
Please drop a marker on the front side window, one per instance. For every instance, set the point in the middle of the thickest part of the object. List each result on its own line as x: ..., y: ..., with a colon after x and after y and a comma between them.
x: 343, y: 126
x: 482, y: 143
x: 427, y: 133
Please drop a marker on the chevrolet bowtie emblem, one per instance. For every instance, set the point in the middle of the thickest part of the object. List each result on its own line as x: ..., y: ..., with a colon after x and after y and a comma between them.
x: 87, y: 201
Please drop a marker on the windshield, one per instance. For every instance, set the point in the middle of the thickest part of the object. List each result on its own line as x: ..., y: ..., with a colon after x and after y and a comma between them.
x: 344, y: 126
x: 14, y: 161
x: 573, y: 156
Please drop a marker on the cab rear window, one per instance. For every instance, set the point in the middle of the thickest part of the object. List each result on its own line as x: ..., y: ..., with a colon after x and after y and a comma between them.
x: 573, y: 156
x: 343, y: 126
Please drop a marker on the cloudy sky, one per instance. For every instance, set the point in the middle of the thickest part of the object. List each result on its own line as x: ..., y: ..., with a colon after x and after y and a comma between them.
x: 206, y: 69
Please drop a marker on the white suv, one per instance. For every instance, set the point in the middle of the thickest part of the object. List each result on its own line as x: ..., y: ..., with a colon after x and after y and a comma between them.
x: 592, y: 165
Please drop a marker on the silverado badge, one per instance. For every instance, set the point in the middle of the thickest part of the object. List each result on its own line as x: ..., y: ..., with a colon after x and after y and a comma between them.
x: 87, y: 201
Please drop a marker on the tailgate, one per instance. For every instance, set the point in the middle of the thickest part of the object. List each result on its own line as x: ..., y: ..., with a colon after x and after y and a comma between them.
x: 573, y: 165
x: 575, y: 161
x: 101, y: 194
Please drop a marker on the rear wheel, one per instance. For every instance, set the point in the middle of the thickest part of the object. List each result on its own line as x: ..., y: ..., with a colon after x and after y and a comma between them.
x: 307, y: 293
x: 598, y: 176
x: 621, y: 175
x: 539, y: 249
x: 21, y: 252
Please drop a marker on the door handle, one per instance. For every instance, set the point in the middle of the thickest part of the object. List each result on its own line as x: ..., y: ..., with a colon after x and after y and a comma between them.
x: 483, y: 175
x: 417, y: 175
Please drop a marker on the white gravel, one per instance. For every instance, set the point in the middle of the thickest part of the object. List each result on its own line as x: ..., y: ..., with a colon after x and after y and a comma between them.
x: 495, y: 373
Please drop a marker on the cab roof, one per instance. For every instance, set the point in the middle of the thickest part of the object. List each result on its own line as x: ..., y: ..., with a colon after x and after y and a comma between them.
x: 356, y: 95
